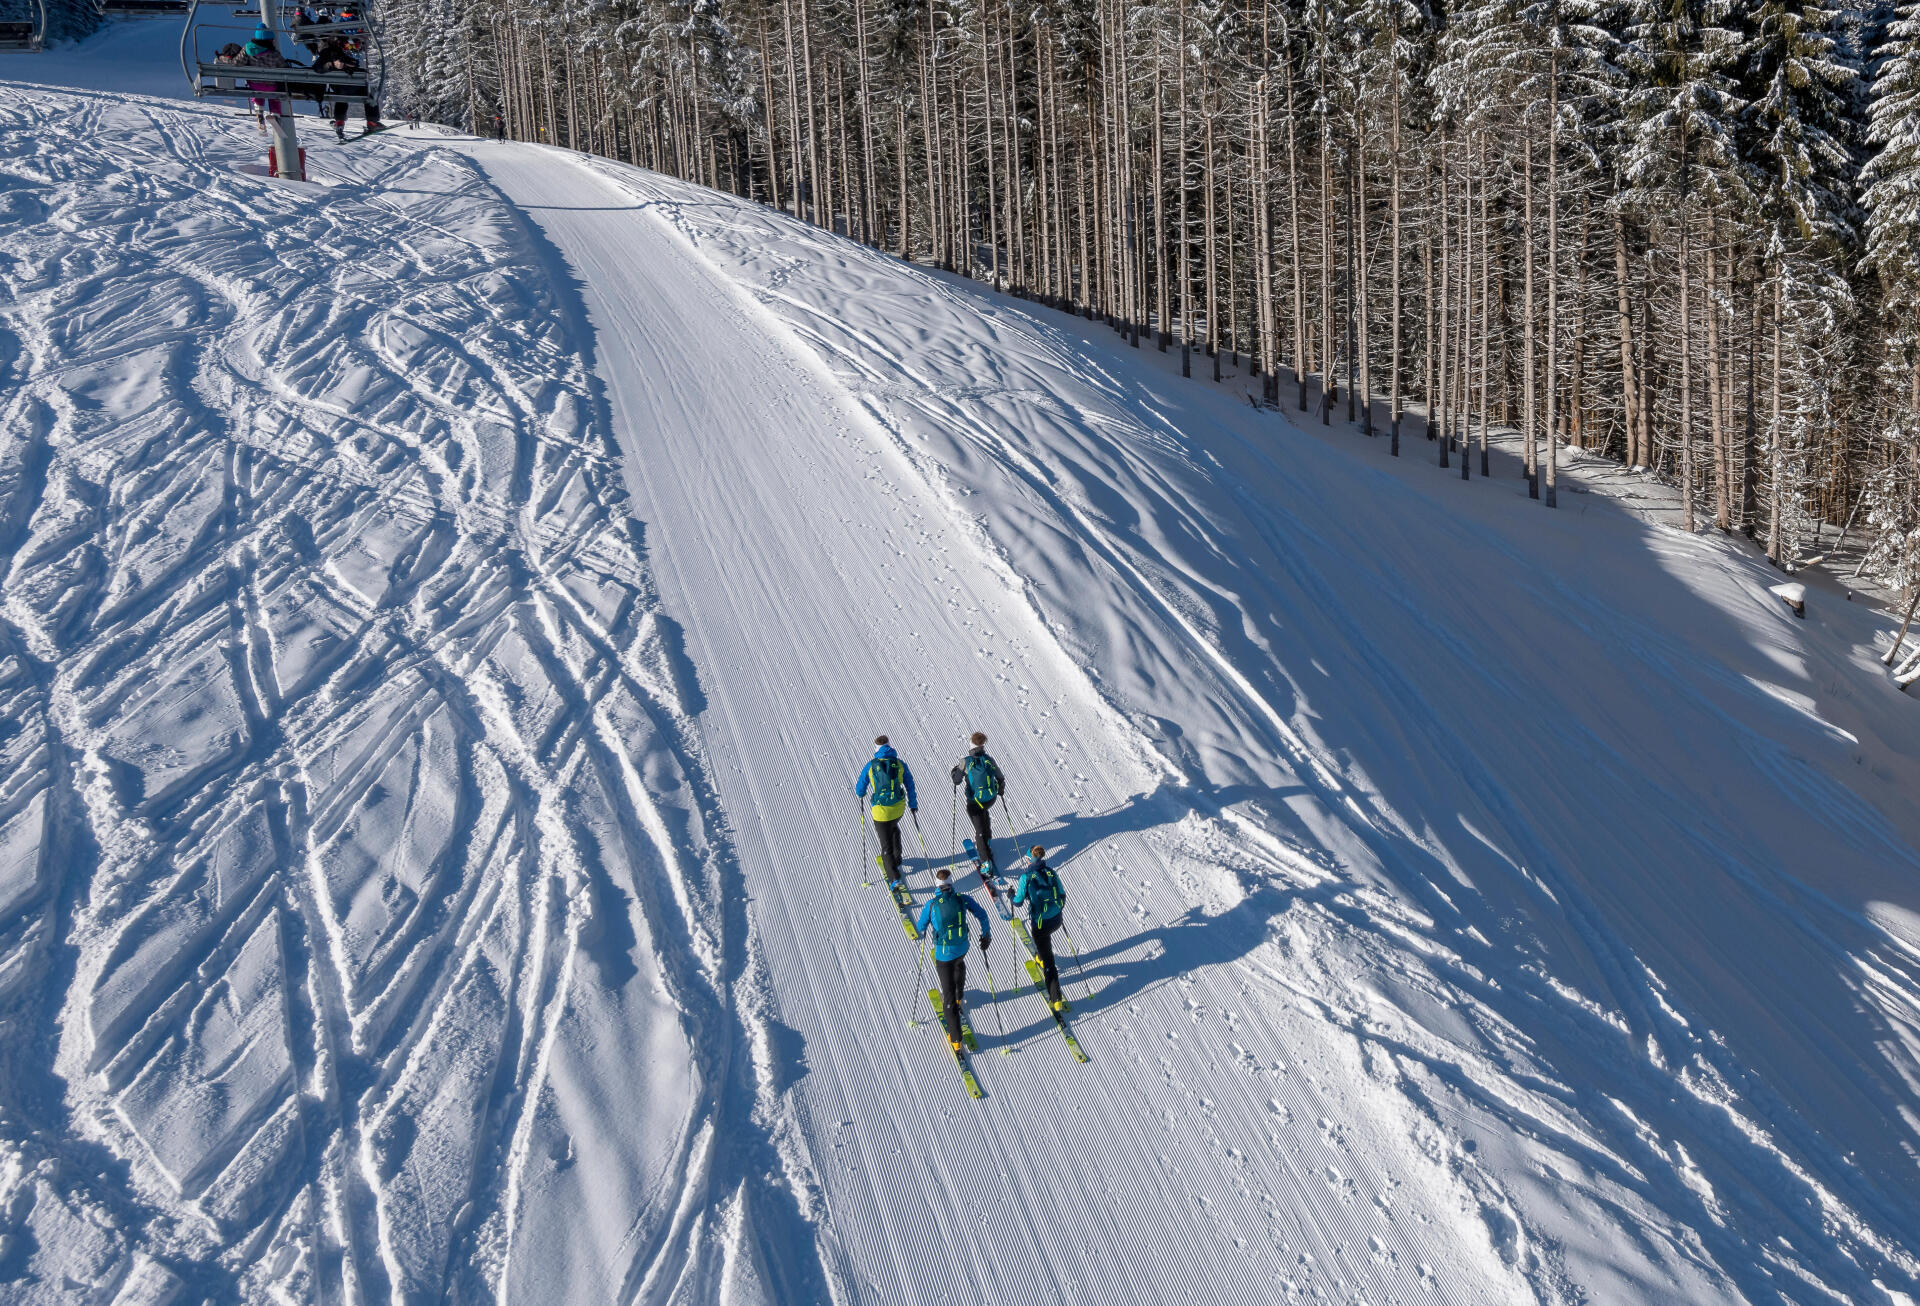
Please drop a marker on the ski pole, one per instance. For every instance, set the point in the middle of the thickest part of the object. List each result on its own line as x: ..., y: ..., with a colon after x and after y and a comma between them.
x: 860, y: 819
x: 921, y: 835
x: 995, y: 995
x: 913, y: 1020
x: 1078, y: 969
x: 953, y: 826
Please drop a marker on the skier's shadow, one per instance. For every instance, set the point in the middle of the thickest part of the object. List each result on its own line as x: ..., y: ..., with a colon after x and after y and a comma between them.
x: 1120, y: 970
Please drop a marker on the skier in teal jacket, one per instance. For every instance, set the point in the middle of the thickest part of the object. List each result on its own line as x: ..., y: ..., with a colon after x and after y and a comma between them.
x: 1045, y: 899
x: 945, y: 915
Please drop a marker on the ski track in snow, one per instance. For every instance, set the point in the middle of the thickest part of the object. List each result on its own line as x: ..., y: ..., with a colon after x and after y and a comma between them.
x: 356, y: 870
x: 436, y: 642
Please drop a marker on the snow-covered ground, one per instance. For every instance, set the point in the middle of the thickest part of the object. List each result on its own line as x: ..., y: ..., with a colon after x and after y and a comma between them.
x: 442, y: 610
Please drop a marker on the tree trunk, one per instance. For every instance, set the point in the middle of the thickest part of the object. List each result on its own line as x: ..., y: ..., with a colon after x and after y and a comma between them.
x: 1393, y: 331
x: 1553, y: 283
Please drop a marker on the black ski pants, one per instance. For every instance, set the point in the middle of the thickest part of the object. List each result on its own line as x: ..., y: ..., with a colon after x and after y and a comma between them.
x: 982, y: 818
x: 953, y: 990
x: 1043, y: 946
x: 889, y: 832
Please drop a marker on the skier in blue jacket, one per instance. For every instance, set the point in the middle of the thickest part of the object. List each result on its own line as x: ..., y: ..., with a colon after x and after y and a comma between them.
x: 1045, y: 899
x: 945, y: 915
x: 893, y: 797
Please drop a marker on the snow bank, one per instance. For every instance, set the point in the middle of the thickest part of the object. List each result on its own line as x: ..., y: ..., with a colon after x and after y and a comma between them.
x: 359, y: 934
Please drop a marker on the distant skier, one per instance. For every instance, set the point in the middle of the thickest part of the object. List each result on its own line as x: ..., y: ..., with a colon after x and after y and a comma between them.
x: 1045, y: 899
x: 893, y: 797
x: 499, y: 128
x: 981, y: 775
x: 946, y: 916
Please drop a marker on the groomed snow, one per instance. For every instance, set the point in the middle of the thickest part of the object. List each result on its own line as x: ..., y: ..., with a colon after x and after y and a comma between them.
x: 442, y: 611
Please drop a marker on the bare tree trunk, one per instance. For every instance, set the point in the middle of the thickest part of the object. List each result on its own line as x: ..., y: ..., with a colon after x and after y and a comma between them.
x: 1429, y: 353
x: 800, y: 185
x: 1293, y: 230
x: 870, y: 195
x: 1775, y: 463
x: 1393, y: 331
x: 1529, y: 409
x: 1212, y: 253
x: 813, y: 132
x: 1180, y: 181
x: 1463, y: 325
x: 1486, y: 306
x: 1686, y: 375
x: 1629, y: 382
x: 1163, y: 300
x: 1326, y: 231
x: 1364, y: 349
x: 1553, y: 283
x: 1723, y: 507
x: 1437, y: 414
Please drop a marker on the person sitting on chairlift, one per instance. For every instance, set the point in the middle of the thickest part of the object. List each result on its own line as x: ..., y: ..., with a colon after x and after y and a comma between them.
x: 335, y: 58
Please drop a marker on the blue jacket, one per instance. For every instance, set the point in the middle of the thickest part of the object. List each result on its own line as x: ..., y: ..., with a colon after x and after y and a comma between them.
x: 885, y: 753
x: 1023, y: 894
x: 946, y: 915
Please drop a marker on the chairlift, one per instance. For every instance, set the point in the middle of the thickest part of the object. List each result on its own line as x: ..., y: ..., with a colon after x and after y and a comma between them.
x: 25, y: 33
x: 211, y: 79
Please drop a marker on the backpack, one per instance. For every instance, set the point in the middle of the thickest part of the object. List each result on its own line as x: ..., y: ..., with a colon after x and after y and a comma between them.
x: 1045, y: 894
x: 983, y: 779
x: 949, y: 919
x: 889, y: 781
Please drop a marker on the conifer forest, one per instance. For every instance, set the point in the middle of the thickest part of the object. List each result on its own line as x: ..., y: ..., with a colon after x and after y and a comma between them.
x: 1681, y: 234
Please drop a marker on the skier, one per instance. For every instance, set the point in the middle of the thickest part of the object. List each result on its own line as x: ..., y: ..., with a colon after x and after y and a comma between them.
x: 499, y: 128
x: 946, y: 915
x: 984, y: 787
x: 893, y: 797
x: 304, y: 18
x: 261, y: 52
x: 334, y: 57
x: 1045, y: 899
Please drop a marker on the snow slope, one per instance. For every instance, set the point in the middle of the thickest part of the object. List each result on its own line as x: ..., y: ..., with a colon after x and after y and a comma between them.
x: 443, y: 612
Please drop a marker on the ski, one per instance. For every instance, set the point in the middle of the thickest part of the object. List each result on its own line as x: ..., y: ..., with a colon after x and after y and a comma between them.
x: 902, y: 900
x: 966, y: 1026
x: 1039, y: 975
x: 959, y: 1055
x: 991, y: 882
x: 383, y: 127
x: 1039, y: 979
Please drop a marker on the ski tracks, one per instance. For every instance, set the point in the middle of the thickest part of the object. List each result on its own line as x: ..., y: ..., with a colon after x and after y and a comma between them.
x: 1483, y: 986
x: 335, y: 693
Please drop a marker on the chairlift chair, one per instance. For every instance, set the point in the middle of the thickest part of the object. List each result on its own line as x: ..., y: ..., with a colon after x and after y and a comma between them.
x: 211, y: 79
x: 25, y: 33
